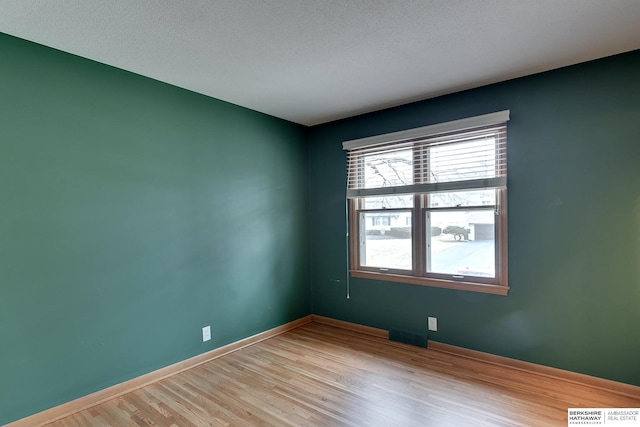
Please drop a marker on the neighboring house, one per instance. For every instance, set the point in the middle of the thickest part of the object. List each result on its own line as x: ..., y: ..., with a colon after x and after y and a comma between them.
x: 481, y: 224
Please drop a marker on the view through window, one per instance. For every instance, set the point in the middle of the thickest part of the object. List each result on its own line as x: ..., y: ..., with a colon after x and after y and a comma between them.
x: 431, y: 209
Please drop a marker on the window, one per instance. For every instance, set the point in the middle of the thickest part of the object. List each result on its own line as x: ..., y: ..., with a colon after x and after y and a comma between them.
x: 428, y: 206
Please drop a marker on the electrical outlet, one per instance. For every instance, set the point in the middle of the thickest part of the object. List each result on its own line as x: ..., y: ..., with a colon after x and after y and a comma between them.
x: 206, y: 333
x: 433, y: 324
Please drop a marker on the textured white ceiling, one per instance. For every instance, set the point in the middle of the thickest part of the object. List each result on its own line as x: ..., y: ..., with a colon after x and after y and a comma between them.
x: 313, y: 61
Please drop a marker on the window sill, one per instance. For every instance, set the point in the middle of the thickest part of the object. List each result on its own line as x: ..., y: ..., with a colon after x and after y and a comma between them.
x: 436, y: 283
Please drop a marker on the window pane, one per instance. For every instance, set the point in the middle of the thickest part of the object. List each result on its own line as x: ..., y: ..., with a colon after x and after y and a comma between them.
x: 461, y: 242
x: 385, y: 240
x: 387, y: 202
x: 462, y: 160
x: 388, y: 169
x: 462, y: 198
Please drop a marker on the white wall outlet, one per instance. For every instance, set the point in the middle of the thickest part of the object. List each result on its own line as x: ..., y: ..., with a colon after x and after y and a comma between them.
x: 206, y: 333
x: 433, y: 324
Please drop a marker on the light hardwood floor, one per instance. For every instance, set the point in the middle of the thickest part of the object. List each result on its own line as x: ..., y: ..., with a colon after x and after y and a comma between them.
x: 319, y: 375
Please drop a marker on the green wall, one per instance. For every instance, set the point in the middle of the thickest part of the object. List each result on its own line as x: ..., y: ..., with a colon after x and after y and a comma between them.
x: 134, y: 213
x: 574, y: 224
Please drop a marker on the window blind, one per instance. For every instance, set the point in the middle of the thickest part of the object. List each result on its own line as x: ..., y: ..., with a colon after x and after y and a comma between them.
x: 460, y: 155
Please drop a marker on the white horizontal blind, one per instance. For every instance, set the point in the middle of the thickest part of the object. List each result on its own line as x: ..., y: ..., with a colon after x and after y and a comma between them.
x: 448, y: 160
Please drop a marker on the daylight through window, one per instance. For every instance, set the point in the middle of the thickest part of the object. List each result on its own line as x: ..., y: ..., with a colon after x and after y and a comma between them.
x: 428, y: 206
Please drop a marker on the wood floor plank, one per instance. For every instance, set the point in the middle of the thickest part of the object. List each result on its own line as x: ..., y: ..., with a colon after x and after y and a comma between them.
x: 321, y: 375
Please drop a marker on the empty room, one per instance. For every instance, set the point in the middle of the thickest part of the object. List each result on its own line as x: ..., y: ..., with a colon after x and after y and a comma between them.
x: 319, y: 213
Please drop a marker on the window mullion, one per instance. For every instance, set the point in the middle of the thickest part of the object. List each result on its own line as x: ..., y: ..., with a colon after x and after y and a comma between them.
x: 421, y: 235
x: 418, y: 229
